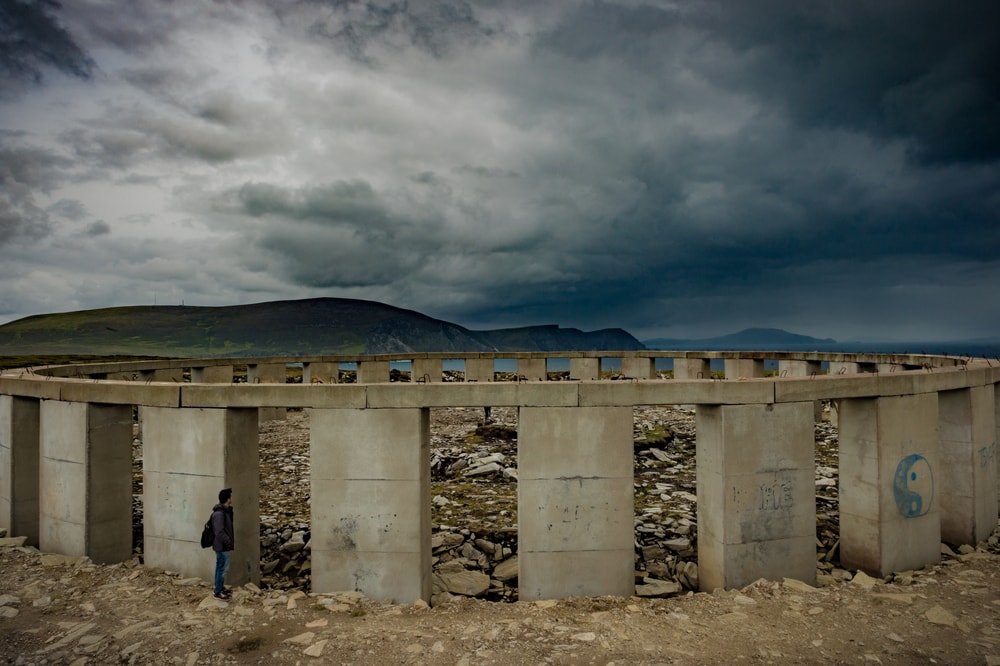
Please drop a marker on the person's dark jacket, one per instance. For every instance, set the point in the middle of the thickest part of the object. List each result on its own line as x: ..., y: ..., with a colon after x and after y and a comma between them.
x: 222, y: 526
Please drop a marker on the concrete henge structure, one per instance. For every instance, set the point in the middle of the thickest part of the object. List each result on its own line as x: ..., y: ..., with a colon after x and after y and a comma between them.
x: 917, y: 461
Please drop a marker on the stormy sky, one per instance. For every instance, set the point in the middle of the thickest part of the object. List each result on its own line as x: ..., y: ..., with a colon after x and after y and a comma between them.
x: 675, y: 168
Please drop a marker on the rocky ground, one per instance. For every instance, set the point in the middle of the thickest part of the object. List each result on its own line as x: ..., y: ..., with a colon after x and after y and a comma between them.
x: 57, y: 610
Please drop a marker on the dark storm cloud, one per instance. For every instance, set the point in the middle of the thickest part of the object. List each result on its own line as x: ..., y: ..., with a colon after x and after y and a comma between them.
x: 921, y: 70
x: 32, y: 39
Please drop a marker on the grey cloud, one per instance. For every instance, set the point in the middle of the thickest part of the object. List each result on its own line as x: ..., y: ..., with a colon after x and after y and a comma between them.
x: 436, y: 28
x: 32, y: 39
x: 70, y: 209
x: 98, y: 228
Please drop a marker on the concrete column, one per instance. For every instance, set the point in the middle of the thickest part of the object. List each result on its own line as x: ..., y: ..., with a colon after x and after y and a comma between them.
x: 85, y: 480
x: 373, y: 372
x: 843, y: 368
x: 745, y: 368
x: 638, y: 367
x: 427, y: 369
x: 19, y: 466
x: 585, y: 368
x: 996, y: 438
x: 799, y: 368
x: 479, y: 369
x: 574, y: 504
x: 889, y: 507
x: 212, y: 374
x: 692, y: 368
x: 756, y: 494
x: 175, y: 375
x: 371, y: 512
x: 320, y: 373
x: 189, y: 455
x: 268, y: 373
x: 532, y: 369
x: 967, y: 428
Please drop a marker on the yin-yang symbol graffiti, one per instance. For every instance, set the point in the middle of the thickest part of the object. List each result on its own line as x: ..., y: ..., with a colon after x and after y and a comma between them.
x: 913, y: 486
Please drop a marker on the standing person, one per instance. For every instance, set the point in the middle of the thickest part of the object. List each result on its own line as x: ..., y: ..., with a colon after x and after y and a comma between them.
x: 222, y: 526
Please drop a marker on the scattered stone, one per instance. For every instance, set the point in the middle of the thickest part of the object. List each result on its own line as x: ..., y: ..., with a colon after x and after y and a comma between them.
x: 938, y: 615
x: 316, y: 649
x: 301, y: 639
x: 658, y: 588
x: 466, y: 583
x: 12, y: 541
x: 863, y: 580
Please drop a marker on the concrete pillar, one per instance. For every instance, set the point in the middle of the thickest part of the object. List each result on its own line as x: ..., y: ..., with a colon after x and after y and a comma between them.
x: 427, y: 369
x: 799, y: 368
x: 532, y: 369
x: 19, y: 466
x: 320, y: 373
x: 189, y: 455
x: 371, y: 512
x: 479, y: 369
x: 756, y: 494
x: 637, y: 367
x: 967, y: 428
x: 890, y: 510
x: 268, y: 373
x: 996, y: 438
x: 744, y: 368
x: 175, y: 375
x: 843, y: 368
x: 692, y: 368
x: 574, y: 502
x: 85, y: 480
x: 585, y: 368
x: 373, y: 372
x: 212, y: 374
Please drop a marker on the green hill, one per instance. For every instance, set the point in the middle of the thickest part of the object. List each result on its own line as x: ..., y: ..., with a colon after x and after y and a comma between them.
x: 304, y: 327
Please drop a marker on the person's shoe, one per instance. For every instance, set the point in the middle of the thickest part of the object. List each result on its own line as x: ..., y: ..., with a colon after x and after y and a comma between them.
x: 223, y: 596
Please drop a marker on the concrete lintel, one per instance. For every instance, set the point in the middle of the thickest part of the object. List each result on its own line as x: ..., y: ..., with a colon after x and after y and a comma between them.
x: 677, y: 392
x: 350, y: 396
x: 790, y: 389
x: 30, y: 386
x: 120, y: 393
x: 474, y: 394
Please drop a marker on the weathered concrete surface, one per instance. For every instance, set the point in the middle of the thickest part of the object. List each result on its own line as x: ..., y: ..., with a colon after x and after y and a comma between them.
x: 692, y: 368
x: 792, y: 368
x: 85, y: 480
x: 212, y: 374
x: 479, y: 369
x: 370, y: 485
x: 269, y: 373
x: 188, y: 456
x: 638, y: 367
x: 744, y: 368
x: 890, y: 507
x: 756, y: 495
x: 427, y: 369
x: 319, y: 372
x: 967, y: 428
x: 585, y: 369
x: 575, y: 510
x: 19, y: 466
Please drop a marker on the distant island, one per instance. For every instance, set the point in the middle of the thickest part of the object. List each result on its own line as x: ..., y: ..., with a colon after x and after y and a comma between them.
x: 748, y: 338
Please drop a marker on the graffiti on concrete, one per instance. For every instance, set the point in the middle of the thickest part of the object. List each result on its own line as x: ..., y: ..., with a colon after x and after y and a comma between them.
x: 913, y: 486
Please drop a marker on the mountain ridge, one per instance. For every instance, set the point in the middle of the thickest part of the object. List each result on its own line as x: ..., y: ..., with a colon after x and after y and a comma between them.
x: 313, y: 326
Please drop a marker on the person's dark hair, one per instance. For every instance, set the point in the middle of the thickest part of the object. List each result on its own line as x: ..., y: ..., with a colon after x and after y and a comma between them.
x: 225, y: 494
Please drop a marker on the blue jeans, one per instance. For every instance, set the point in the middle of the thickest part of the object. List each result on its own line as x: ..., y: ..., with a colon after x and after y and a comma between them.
x: 221, y: 567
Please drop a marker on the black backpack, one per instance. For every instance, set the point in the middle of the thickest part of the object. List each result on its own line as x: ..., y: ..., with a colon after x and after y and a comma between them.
x: 207, y: 533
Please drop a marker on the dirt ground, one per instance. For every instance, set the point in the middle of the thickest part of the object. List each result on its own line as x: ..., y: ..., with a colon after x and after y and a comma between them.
x: 58, y: 610
x: 74, y: 612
